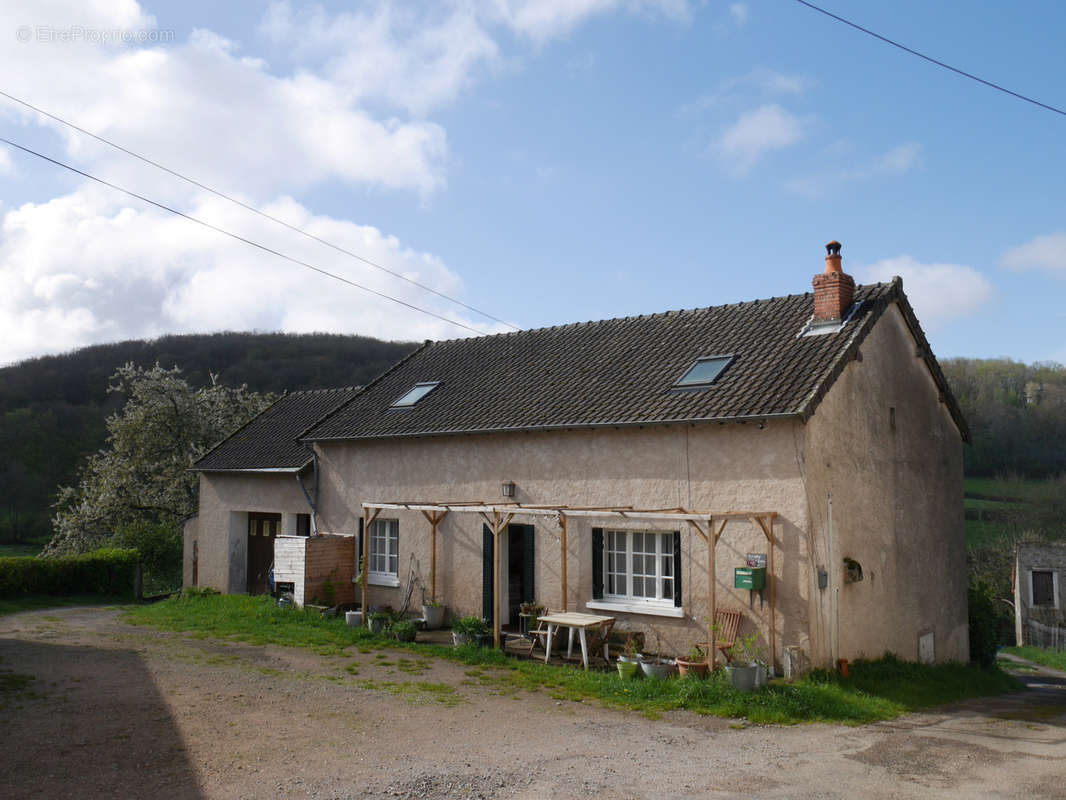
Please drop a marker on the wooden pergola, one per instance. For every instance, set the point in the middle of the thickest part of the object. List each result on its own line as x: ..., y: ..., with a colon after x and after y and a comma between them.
x: 709, y: 525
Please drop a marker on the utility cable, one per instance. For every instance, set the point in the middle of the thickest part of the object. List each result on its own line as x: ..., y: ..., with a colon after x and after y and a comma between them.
x: 238, y: 237
x: 930, y: 59
x: 254, y: 210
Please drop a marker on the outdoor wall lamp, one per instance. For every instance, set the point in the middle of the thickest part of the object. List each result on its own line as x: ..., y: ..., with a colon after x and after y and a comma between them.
x: 508, y: 488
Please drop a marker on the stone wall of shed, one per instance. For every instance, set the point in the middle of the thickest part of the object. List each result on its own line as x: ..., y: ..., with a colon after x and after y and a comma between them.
x: 885, y: 490
x: 708, y: 467
x: 1038, y: 556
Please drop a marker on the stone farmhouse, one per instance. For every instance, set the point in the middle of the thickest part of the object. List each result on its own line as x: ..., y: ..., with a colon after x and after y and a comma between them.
x: 798, y: 459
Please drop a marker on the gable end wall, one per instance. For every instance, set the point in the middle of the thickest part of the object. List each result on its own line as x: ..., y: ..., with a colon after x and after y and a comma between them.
x: 885, y: 489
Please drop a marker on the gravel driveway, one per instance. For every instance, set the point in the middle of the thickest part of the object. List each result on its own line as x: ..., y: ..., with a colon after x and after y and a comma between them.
x: 93, y: 707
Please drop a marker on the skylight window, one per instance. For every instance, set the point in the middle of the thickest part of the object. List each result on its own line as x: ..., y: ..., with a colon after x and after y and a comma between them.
x: 416, y: 393
x: 704, y: 372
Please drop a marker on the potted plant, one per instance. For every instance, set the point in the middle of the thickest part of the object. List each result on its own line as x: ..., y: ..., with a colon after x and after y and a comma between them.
x: 379, y: 621
x: 530, y: 614
x: 745, y: 654
x: 628, y: 662
x: 404, y: 630
x: 695, y: 662
x: 468, y: 630
x: 433, y: 614
x: 659, y: 667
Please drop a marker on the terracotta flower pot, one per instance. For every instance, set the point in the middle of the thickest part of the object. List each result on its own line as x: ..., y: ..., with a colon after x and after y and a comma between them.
x: 699, y: 669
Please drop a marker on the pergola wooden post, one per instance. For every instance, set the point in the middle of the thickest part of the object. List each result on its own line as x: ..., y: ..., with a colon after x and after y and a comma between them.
x: 497, y: 523
x: 562, y: 545
x: 766, y: 522
x: 434, y: 518
x: 364, y: 572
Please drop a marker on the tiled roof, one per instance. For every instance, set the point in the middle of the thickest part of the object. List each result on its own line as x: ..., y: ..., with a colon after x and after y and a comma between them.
x: 621, y: 371
x: 268, y: 441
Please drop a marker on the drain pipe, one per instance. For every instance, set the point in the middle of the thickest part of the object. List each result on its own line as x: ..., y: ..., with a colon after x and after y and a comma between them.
x: 312, y: 502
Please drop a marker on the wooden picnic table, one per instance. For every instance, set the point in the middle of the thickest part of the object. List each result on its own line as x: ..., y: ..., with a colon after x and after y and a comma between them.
x: 582, y: 623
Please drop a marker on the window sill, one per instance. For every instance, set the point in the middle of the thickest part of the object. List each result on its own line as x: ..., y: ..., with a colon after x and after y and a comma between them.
x: 637, y: 608
x: 383, y: 580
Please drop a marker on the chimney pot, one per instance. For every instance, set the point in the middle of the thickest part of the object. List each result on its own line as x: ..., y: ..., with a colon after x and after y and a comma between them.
x: 834, y: 289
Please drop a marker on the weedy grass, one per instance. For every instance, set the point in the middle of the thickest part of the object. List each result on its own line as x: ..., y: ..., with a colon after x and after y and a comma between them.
x: 1049, y: 658
x: 876, y: 690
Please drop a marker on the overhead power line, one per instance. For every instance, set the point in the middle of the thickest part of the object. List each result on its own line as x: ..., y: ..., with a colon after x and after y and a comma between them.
x: 238, y: 237
x: 930, y: 59
x: 254, y: 210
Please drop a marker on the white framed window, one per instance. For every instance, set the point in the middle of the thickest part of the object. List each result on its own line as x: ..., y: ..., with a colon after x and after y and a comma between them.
x: 384, y: 552
x: 638, y: 573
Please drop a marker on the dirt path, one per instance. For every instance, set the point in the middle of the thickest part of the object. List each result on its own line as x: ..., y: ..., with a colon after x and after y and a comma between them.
x: 118, y: 711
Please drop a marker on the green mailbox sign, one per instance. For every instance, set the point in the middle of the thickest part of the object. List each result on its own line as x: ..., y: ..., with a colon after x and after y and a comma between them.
x: 749, y: 578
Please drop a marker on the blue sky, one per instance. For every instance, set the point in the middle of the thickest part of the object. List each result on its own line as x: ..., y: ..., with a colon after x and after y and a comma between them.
x: 548, y: 162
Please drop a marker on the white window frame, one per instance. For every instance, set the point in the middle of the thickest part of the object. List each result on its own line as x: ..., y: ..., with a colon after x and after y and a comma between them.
x: 384, y: 533
x: 627, y: 601
x: 1054, y: 586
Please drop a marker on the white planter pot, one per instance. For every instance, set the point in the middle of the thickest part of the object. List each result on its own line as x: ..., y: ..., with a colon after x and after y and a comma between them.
x: 354, y: 619
x: 434, y: 616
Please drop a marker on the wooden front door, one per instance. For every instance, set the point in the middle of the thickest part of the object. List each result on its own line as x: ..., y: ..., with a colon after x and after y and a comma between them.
x: 262, y: 528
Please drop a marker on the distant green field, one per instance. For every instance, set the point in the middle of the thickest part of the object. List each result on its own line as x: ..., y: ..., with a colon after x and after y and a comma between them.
x: 31, y: 548
x: 993, y: 504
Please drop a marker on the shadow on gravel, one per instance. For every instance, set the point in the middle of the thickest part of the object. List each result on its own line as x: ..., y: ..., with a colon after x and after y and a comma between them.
x: 83, y: 722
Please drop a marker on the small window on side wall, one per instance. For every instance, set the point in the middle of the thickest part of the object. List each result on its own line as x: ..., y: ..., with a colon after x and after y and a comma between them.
x: 1043, y: 587
x: 303, y: 524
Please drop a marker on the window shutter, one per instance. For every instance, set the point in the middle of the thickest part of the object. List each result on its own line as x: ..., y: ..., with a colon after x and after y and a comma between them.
x: 360, y: 566
x: 528, y: 593
x: 597, y: 563
x: 677, y: 568
x: 487, y: 544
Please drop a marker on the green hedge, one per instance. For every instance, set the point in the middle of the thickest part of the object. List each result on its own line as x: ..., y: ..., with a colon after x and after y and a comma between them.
x: 106, y: 572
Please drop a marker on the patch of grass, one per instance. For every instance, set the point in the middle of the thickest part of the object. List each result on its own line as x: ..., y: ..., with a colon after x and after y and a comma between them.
x: 30, y: 547
x: 876, y: 690
x: 418, y: 692
x: 35, y: 602
x: 1049, y: 658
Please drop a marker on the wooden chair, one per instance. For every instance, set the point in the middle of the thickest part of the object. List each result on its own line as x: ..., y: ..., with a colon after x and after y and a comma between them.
x: 539, y: 636
x: 598, y: 643
x: 727, y: 621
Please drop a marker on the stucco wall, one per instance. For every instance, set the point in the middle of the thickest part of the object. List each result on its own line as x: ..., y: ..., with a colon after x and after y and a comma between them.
x: 1038, y: 556
x: 190, y: 535
x: 709, y: 467
x: 222, y: 526
x: 885, y: 489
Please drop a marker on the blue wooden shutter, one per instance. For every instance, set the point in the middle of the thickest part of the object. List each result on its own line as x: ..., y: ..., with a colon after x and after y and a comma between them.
x: 488, y: 542
x: 677, y: 568
x: 597, y: 563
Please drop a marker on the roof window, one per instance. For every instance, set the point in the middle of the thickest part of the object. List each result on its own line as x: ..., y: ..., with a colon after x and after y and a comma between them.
x: 416, y: 393
x: 703, y: 373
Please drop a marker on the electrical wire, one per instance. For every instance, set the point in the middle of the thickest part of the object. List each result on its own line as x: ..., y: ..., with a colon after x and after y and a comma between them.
x: 238, y: 237
x: 254, y: 210
x: 930, y: 59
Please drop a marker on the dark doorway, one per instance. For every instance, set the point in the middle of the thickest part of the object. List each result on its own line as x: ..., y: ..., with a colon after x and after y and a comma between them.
x: 262, y: 528
x: 519, y: 570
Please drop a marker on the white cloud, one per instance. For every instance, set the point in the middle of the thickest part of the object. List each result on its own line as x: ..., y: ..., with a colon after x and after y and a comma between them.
x: 88, y: 267
x: 1046, y: 253
x: 897, y: 161
x: 940, y: 293
x: 756, y: 133
x: 739, y: 11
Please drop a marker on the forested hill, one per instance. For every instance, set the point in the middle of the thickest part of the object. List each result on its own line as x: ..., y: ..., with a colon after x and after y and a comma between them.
x: 1016, y: 413
x: 52, y: 409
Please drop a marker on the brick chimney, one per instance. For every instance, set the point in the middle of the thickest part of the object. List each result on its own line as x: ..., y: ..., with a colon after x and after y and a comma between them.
x: 833, y: 289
